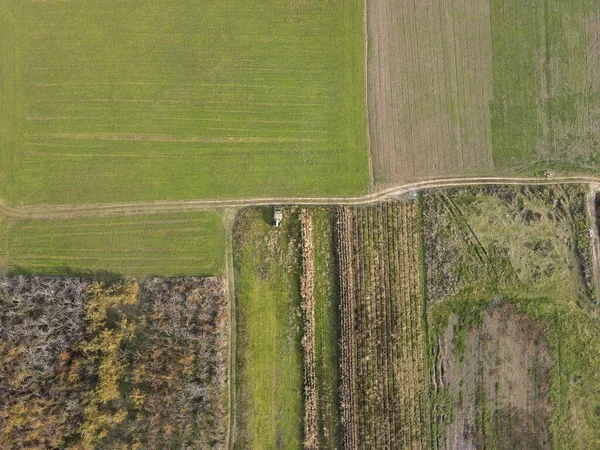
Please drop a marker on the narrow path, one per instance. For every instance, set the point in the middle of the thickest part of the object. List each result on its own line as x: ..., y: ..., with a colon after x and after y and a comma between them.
x: 594, y: 238
x: 109, y: 209
x: 228, y: 222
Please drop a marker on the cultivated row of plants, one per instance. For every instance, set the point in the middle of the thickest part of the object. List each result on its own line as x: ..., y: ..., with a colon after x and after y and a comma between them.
x: 383, y: 399
x: 307, y: 304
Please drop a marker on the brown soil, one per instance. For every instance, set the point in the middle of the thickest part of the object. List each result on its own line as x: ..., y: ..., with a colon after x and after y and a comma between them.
x: 429, y: 87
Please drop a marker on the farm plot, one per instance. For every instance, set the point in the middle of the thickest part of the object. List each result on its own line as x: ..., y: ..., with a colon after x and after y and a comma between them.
x: 131, y: 101
x: 383, y: 367
x: 269, y: 353
x: 113, y: 365
x: 320, y: 329
x: 136, y: 245
x: 512, y: 318
x: 429, y: 85
x: 546, y: 85
x: 483, y: 86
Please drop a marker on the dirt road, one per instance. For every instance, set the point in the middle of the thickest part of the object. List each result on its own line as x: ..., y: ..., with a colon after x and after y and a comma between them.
x: 108, y: 209
x: 594, y: 238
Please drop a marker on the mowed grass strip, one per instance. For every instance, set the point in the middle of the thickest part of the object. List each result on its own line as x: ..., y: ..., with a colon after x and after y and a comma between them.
x: 8, y: 95
x: 269, y: 355
x: 155, y: 244
x: 327, y: 327
x: 124, y: 101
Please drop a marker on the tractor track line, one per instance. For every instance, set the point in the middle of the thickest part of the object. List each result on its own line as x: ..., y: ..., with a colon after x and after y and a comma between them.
x: 116, y: 209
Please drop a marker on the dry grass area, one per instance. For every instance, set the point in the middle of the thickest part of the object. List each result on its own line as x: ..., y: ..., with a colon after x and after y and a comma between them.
x: 429, y: 84
x: 383, y: 374
x: 307, y: 292
x: 501, y: 379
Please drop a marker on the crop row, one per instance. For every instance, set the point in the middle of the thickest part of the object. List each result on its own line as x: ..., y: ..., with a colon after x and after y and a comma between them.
x: 307, y: 291
x: 382, y: 353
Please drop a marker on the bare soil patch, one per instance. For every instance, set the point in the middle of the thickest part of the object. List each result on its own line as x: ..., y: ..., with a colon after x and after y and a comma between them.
x: 499, y: 383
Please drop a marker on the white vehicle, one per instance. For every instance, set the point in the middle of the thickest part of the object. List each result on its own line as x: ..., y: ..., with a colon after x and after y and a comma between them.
x: 277, y: 216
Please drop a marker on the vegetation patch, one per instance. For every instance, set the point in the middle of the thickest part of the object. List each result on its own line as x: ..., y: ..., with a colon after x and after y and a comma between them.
x: 512, y: 305
x: 327, y: 326
x: 112, y: 365
x: 269, y: 329
x: 179, y: 244
x: 288, y: 328
x: 383, y: 366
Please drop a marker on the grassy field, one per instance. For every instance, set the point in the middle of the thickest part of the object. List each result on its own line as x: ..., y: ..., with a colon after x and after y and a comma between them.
x: 546, y: 83
x: 137, y: 100
x: 159, y: 244
x: 269, y: 354
x: 510, y: 268
x: 483, y: 86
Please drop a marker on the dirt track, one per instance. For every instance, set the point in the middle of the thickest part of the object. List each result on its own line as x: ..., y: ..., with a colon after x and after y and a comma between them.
x: 594, y: 238
x: 108, y: 209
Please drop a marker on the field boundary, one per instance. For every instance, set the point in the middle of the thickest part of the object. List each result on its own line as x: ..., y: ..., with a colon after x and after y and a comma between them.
x: 109, y: 209
x: 229, y: 222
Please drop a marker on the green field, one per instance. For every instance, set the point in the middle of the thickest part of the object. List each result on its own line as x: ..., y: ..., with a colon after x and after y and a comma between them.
x: 127, y: 101
x: 155, y: 244
x: 269, y: 356
x: 546, y: 69
x: 327, y: 327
